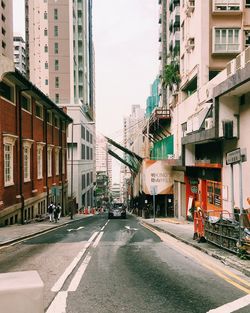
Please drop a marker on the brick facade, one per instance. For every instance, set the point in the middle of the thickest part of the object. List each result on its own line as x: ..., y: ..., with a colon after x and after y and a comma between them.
x: 23, y: 199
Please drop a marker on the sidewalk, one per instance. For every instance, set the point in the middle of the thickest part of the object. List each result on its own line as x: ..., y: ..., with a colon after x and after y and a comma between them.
x: 183, y: 231
x: 11, y: 234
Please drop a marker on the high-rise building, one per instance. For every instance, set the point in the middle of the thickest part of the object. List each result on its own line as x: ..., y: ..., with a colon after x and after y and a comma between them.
x: 19, y: 53
x: 132, y: 140
x: 103, y: 158
x: 6, y: 37
x: 61, y: 63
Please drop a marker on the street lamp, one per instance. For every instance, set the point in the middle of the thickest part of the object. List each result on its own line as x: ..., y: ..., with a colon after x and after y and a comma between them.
x: 71, y: 170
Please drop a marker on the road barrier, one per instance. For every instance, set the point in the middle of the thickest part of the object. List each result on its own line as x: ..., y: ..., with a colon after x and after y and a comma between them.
x: 21, y: 292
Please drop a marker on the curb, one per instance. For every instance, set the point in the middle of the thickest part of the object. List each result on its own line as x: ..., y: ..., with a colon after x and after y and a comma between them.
x: 212, y: 254
x: 8, y: 242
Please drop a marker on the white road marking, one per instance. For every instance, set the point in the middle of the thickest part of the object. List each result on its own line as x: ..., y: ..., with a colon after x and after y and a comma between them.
x: 93, y: 236
x: 58, y: 305
x: 58, y: 285
x: 78, y: 276
x: 75, y: 228
x: 232, y: 306
x: 105, y: 225
x: 97, y: 239
x: 129, y: 228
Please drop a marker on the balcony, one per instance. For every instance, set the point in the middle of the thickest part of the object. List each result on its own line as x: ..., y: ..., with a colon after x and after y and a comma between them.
x: 226, y: 7
x: 158, y: 121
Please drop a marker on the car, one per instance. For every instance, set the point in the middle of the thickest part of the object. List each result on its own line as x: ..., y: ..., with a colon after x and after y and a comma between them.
x: 117, y: 210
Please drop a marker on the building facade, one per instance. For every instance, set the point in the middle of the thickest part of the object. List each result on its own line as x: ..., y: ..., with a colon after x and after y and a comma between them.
x: 61, y: 62
x: 205, y: 124
x: 6, y: 36
x: 19, y: 53
x: 103, y: 158
x: 33, y: 149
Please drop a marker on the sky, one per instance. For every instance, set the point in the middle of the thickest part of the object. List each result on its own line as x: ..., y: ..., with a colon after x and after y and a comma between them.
x: 125, y: 34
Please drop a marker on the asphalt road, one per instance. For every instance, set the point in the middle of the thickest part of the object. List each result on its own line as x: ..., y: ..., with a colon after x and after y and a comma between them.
x: 121, y: 266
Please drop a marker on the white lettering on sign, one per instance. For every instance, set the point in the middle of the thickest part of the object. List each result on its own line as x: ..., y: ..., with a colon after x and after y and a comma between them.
x: 233, y: 157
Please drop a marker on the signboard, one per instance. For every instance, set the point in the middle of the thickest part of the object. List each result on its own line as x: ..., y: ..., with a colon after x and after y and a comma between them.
x: 233, y: 156
x: 156, y: 174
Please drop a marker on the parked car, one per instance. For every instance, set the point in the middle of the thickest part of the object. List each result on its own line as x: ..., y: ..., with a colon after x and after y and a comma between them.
x: 117, y: 210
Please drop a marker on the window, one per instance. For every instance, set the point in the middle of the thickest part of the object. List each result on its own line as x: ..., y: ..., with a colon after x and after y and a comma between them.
x: 3, y: 18
x: 39, y: 161
x: 87, y: 136
x: 56, y: 65
x: 83, y: 182
x: 226, y: 5
x: 8, y: 164
x: 57, y: 154
x: 25, y: 103
x: 83, y: 132
x: 45, y: 15
x: 46, y: 82
x: 91, y: 138
x: 63, y: 161
x: 45, y: 32
x: 56, y: 48
x: 56, y: 31
x: 226, y: 40
x: 248, y: 4
x: 3, y: 4
x: 49, y: 160
x: 56, y: 14
x: 7, y: 91
x: 26, y: 160
x: 57, y: 82
x: 3, y: 45
x: 56, y: 121
x: 49, y: 117
x: 87, y: 153
x: 46, y: 66
x: 3, y: 31
x: 83, y: 152
x: 46, y: 48
x: 57, y: 97
x: 39, y: 110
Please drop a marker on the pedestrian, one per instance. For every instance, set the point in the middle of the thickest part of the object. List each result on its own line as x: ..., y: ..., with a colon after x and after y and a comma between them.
x: 51, y: 211
x: 55, y: 212
x: 59, y: 210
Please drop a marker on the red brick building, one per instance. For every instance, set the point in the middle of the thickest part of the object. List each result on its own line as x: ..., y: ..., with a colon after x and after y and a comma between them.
x: 33, y: 151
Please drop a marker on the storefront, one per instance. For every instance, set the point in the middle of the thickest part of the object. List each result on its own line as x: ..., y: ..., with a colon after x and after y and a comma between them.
x: 204, y: 187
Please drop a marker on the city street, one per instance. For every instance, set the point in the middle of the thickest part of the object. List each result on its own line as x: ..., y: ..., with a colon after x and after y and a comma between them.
x: 98, y: 265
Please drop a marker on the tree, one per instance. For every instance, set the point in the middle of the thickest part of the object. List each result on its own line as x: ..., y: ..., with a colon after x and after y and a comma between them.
x: 171, y: 75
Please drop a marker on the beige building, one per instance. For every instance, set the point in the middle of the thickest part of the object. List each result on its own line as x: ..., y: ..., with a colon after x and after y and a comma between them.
x: 206, y: 124
x: 6, y: 36
x: 61, y: 63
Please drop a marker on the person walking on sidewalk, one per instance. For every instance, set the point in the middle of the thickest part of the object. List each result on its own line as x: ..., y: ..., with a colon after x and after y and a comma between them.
x: 56, y: 213
x: 51, y: 211
x: 59, y: 210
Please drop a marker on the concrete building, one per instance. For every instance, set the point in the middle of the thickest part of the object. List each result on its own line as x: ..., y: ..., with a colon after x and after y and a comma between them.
x: 207, y: 119
x: 19, y: 53
x: 103, y: 158
x: 61, y: 62
x: 33, y: 149
x: 132, y: 137
x: 6, y: 36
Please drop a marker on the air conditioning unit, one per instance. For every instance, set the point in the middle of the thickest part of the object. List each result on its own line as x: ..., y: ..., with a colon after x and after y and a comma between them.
x: 190, y: 44
x: 209, y: 123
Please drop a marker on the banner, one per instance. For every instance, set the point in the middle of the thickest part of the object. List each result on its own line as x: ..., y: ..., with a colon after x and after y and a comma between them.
x: 157, y: 176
